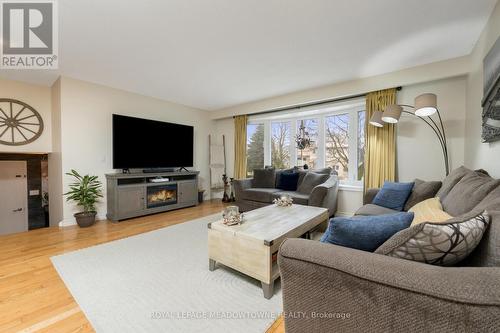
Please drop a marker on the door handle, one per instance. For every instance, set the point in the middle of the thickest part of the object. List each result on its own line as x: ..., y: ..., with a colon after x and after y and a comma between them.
x: 18, y: 210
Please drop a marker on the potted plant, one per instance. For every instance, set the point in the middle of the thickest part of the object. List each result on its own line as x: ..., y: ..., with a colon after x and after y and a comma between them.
x: 85, y: 191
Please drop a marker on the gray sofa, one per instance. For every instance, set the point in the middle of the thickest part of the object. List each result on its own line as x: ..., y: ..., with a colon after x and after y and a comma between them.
x: 340, y: 289
x: 251, y: 194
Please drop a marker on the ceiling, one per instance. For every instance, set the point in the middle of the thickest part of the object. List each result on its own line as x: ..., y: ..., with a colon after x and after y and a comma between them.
x: 220, y: 53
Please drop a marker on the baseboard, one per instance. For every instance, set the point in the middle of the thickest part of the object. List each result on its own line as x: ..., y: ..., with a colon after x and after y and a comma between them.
x: 71, y: 221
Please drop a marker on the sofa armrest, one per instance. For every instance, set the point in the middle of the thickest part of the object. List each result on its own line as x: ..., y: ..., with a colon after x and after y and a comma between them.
x: 240, y: 185
x: 342, y: 290
x: 370, y: 195
x: 325, y: 195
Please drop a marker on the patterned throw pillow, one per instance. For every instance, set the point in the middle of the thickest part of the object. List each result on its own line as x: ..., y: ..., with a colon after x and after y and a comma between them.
x: 437, y: 244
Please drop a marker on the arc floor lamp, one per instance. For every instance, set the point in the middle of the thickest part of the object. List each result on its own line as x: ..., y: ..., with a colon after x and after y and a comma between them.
x: 425, y: 107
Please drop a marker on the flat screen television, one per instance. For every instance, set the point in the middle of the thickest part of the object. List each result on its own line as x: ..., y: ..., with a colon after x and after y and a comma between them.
x: 149, y: 144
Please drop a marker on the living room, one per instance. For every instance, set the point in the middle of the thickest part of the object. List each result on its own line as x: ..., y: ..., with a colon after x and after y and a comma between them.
x: 237, y: 168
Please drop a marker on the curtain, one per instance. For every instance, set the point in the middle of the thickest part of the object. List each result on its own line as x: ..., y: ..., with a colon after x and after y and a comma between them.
x: 240, y: 146
x: 380, y: 154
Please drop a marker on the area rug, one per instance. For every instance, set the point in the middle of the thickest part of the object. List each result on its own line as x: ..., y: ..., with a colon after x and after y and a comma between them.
x: 159, y: 282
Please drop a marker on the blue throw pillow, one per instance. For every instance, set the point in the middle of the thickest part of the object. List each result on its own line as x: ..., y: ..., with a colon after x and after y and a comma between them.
x: 365, y: 233
x: 288, y: 181
x: 393, y: 195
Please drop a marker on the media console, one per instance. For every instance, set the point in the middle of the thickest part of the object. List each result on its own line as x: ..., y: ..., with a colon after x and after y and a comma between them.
x: 137, y: 194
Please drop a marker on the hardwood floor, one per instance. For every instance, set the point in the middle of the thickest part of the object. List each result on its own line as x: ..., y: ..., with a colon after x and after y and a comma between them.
x: 32, y: 296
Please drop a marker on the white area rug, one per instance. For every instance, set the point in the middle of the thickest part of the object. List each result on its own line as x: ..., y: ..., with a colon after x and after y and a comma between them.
x: 159, y: 282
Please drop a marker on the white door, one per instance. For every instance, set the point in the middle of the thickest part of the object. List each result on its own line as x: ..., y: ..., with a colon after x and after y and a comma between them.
x: 13, y: 197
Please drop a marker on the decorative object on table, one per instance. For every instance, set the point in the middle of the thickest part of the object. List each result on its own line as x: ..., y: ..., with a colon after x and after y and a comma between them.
x: 283, y: 201
x: 303, y: 141
x: 225, y: 196
x: 491, y: 96
x: 85, y: 191
x: 425, y: 107
x: 232, y: 216
x: 232, y: 198
x: 23, y: 124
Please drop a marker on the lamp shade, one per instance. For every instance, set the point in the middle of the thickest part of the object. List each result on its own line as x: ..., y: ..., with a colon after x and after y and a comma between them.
x: 376, y: 119
x: 425, y: 105
x: 392, y: 113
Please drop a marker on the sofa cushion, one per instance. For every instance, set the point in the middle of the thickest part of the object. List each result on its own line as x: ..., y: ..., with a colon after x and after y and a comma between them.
x: 298, y: 198
x: 393, y: 195
x: 365, y: 233
x: 468, y: 193
x: 259, y: 194
x: 421, y: 191
x: 429, y: 210
x: 371, y: 209
x: 264, y: 178
x: 281, y: 171
x: 287, y: 181
x: 451, y: 180
x: 303, y: 173
x: 311, y: 180
x: 437, y: 244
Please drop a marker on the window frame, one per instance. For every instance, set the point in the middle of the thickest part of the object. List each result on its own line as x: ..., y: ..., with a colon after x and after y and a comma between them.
x: 319, y: 113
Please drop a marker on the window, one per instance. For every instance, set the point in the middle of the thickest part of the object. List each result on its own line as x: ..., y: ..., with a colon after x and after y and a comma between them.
x: 255, y: 147
x: 361, y: 145
x: 308, y: 155
x: 280, y: 145
x: 337, y: 144
x: 337, y: 140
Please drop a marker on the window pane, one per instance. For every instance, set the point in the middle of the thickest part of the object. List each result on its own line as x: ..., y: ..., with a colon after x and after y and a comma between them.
x: 308, y: 154
x: 337, y: 144
x: 361, y: 144
x: 255, y: 147
x: 280, y: 145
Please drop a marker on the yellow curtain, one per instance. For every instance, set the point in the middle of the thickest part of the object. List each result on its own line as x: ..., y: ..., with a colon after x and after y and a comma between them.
x: 240, y: 147
x: 380, y: 153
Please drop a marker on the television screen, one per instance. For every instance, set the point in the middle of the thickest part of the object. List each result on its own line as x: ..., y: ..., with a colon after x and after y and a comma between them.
x: 143, y: 143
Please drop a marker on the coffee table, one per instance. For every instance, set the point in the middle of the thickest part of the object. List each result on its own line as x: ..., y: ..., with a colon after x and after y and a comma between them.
x: 251, y: 247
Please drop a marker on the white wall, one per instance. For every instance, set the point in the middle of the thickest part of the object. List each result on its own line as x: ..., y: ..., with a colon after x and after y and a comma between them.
x: 55, y: 159
x: 478, y: 154
x: 419, y: 154
x: 39, y: 97
x: 86, y: 143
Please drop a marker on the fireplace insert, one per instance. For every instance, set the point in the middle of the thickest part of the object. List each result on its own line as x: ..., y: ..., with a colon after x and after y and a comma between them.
x: 161, y: 195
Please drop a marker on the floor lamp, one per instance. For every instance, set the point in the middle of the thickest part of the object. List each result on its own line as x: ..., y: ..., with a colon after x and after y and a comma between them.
x: 425, y: 107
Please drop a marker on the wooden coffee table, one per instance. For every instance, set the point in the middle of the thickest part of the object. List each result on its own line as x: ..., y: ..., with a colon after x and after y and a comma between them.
x: 250, y: 247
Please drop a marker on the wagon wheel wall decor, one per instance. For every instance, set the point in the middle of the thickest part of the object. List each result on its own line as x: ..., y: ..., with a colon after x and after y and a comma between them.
x: 20, y: 123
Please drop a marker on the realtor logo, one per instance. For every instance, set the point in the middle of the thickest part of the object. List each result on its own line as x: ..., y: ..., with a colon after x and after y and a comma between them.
x: 29, y: 34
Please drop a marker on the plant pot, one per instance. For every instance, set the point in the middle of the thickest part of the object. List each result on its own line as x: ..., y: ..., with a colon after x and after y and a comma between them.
x: 85, y: 219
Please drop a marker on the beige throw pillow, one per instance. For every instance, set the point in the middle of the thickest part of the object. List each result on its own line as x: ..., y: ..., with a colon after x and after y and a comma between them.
x: 429, y: 210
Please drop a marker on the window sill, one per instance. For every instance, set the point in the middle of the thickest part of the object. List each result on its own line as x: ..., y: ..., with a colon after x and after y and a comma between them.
x: 351, y: 187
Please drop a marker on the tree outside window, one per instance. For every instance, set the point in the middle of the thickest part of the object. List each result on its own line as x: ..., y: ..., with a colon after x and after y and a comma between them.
x: 255, y: 147
x: 361, y: 144
x: 337, y: 144
x: 280, y: 145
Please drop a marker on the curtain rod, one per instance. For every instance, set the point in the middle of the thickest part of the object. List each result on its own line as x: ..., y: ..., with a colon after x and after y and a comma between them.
x: 325, y: 101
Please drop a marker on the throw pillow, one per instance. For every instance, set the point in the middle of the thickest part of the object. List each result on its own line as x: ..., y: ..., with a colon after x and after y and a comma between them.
x: 422, y: 190
x: 311, y: 180
x: 288, y: 181
x: 365, y: 233
x: 393, y: 195
x: 264, y: 178
x: 279, y: 172
x: 451, y: 180
x: 437, y: 244
x: 469, y: 192
x: 429, y: 210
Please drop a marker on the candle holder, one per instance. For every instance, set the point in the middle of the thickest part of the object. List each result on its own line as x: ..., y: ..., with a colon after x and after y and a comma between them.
x: 283, y: 201
x: 232, y: 216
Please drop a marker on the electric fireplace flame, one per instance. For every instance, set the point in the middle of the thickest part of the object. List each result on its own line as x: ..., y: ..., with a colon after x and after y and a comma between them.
x: 162, y: 195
